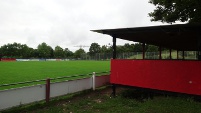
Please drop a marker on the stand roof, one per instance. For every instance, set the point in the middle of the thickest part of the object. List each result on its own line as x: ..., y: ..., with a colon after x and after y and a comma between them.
x: 179, y: 37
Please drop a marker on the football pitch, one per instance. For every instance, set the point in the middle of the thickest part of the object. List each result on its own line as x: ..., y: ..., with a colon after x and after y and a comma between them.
x: 12, y: 72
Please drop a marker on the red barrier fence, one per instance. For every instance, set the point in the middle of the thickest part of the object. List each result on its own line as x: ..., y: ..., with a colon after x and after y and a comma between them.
x: 8, y: 59
x: 169, y: 75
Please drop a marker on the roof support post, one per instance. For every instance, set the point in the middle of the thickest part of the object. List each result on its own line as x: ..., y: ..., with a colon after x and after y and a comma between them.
x: 183, y: 55
x: 143, y: 51
x: 199, y: 45
x: 170, y: 53
x: 114, y: 47
x: 160, y: 57
x: 114, y: 57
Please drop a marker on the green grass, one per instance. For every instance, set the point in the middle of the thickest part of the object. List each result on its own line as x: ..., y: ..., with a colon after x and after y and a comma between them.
x: 99, y: 101
x: 12, y: 72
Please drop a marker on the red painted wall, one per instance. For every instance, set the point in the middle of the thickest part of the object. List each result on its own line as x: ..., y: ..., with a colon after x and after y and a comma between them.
x: 170, y: 75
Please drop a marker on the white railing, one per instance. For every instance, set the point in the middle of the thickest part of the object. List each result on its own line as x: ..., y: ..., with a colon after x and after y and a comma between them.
x: 24, y: 95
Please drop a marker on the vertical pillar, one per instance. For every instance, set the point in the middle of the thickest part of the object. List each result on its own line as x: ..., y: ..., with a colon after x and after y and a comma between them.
x: 47, y: 90
x: 160, y: 57
x: 183, y: 55
x: 114, y: 57
x: 199, y: 45
x: 170, y: 53
x: 94, y: 81
x: 143, y: 51
x: 177, y: 54
x: 114, y: 48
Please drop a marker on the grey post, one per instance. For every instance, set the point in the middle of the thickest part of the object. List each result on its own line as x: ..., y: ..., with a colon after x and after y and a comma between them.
x: 93, y: 81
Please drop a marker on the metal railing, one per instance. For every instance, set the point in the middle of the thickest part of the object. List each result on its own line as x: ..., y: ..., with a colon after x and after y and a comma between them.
x: 57, y: 78
x: 44, y: 92
x: 191, y: 55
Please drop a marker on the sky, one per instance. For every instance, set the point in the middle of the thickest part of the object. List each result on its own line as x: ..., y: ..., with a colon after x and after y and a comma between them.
x: 67, y: 23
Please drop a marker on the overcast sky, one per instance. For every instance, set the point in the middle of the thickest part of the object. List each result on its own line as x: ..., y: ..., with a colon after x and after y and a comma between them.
x: 67, y: 23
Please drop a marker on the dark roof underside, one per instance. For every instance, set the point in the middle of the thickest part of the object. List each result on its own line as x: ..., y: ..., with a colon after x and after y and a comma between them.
x: 179, y: 37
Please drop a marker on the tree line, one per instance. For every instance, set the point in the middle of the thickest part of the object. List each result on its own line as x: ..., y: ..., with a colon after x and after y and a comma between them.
x: 170, y: 11
x: 17, y: 50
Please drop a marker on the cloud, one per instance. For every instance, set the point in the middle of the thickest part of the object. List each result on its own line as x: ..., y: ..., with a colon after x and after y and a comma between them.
x: 67, y: 23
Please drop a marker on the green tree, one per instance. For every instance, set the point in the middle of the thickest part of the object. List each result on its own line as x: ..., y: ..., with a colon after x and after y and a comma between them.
x: 120, y: 49
x: 35, y: 53
x: 25, y: 51
x: 106, y: 49
x: 15, y: 50
x: 176, y: 10
x: 152, y: 48
x: 45, y: 51
x: 6, y: 50
x: 68, y: 53
x: 31, y: 53
x: 137, y: 47
x: 128, y: 47
x: 94, y: 48
x: 1, y: 53
x: 78, y: 53
x: 59, y: 52
x: 103, y: 49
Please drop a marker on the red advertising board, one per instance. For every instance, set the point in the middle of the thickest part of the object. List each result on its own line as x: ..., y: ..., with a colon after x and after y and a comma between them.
x: 8, y: 59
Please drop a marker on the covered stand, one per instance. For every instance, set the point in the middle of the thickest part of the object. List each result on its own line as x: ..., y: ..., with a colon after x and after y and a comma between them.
x: 183, y: 76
